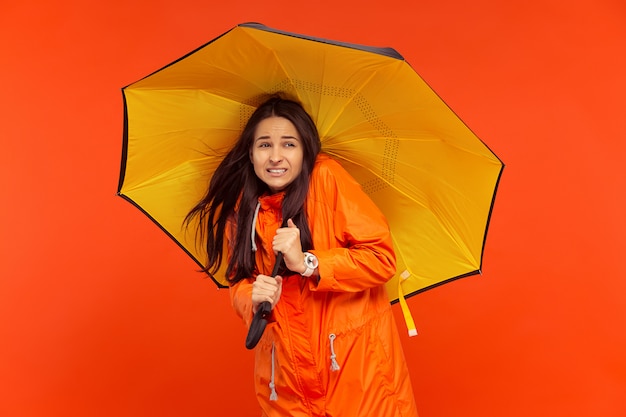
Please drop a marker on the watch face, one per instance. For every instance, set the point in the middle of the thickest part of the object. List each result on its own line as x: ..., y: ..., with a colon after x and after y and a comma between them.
x: 311, y: 260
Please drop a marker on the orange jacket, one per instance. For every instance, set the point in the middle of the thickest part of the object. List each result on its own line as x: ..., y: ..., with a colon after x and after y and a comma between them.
x: 331, y: 348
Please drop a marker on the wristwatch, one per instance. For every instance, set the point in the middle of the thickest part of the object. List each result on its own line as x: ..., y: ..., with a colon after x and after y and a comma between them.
x: 310, y: 263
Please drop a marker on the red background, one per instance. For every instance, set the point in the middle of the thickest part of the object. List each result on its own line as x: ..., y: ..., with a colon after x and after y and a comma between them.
x: 102, y: 315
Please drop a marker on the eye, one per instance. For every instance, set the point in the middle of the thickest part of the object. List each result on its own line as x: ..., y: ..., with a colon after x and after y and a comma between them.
x: 263, y: 145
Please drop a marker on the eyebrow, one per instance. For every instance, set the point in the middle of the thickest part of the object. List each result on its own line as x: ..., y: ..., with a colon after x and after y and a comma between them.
x: 282, y: 137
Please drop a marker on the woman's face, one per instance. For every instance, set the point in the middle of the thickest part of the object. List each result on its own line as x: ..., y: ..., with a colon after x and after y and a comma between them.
x: 277, y: 152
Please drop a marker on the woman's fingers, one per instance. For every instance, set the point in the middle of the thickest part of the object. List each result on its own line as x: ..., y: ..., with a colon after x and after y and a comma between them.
x: 286, y: 237
x: 266, y: 288
x: 287, y: 241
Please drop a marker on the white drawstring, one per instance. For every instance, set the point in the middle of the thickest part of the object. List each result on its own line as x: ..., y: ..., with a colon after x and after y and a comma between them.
x: 273, y: 395
x: 254, y: 219
x: 334, y: 366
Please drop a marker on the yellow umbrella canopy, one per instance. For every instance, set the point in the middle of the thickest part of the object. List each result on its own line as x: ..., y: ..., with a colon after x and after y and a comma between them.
x: 424, y: 168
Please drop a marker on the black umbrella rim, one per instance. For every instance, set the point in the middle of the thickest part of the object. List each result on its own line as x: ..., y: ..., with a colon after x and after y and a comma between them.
x: 385, y: 51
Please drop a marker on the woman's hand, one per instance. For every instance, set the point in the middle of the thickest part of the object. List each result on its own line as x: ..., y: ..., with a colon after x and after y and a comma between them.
x: 287, y: 241
x: 266, y: 288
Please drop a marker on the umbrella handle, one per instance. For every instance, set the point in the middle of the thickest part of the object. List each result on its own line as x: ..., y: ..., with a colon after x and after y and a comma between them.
x: 257, y: 327
x: 259, y: 321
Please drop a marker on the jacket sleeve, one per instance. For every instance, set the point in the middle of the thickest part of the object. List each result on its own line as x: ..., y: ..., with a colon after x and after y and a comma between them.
x: 357, y: 252
x: 241, y: 300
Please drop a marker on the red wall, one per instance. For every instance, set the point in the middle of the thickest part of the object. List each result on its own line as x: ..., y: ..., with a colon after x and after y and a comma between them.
x: 102, y: 315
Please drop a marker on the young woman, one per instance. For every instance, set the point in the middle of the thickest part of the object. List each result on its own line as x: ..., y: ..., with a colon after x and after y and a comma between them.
x: 331, y: 346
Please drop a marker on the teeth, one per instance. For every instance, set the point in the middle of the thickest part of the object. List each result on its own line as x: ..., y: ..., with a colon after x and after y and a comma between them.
x: 276, y: 171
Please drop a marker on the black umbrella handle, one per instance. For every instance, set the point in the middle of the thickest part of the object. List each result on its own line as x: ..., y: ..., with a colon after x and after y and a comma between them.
x: 259, y: 321
x: 257, y: 327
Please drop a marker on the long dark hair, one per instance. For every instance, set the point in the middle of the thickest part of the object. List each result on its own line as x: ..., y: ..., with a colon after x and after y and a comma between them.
x: 234, y: 190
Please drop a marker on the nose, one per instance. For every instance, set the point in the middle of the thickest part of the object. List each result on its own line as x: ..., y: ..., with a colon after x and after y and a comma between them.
x: 276, y: 155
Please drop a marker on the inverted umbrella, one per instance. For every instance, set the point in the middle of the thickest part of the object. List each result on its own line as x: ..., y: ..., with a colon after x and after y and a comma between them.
x: 431, y: 176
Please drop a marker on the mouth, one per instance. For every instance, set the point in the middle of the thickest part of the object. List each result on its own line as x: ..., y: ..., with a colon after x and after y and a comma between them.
x: 276, y: 171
